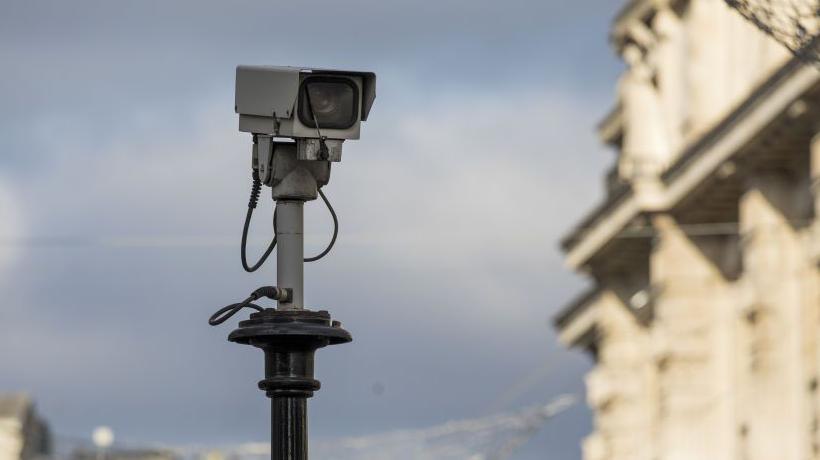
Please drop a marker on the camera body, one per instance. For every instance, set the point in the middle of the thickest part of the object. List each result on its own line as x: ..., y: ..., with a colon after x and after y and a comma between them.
x: 317, y: 108
x: 300, y: 103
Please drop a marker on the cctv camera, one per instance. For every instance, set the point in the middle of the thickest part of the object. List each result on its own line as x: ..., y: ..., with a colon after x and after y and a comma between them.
x: 319, y: 108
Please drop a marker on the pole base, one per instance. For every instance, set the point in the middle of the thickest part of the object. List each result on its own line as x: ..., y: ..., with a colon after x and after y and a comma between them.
x: 289, y: 339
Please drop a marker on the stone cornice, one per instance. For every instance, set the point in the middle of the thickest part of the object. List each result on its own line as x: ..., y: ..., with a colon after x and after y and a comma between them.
x: 631, y: 15
x: 699, y: 159
x: 611, y: 128
x: 576, y: 322
x: 634, y: 10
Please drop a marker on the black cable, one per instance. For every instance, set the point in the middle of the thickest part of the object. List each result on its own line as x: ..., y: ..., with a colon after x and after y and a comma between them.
x: 271, y: 292
x: 335, y: 229
x: 323, y: 153
x: 254, y: 199
x: 220, y: 316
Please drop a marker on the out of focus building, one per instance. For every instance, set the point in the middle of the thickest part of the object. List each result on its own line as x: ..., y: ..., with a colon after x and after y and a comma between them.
x: 124, y: 454
x: 23, y: 434
x: 704, y: 315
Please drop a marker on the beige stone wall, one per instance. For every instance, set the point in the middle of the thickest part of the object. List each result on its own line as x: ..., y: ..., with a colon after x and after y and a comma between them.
x: 727, y: 366
x: 687, y: 67
x: 23, y: 435
x: 690, y: 308
x: 11, y: 440
x: 621, y: 388
x: 726, y: 363
x: 776, y: 376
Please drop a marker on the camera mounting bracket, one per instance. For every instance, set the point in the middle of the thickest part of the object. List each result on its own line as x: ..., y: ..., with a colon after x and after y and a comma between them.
x: 292, y: 178
x: 293, y: 170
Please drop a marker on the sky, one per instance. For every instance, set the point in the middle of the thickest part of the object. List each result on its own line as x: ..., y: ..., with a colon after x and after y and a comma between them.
x: 124, y: 182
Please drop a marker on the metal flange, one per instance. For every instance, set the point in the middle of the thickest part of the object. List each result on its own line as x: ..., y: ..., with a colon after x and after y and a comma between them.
x: 289, y: 339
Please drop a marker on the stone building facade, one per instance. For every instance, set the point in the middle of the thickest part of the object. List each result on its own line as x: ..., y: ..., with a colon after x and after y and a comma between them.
x: 704, y: 313
x: 23, y: 434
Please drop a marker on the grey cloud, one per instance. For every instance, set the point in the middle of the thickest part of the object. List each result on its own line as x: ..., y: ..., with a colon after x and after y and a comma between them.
x: 174, y: 49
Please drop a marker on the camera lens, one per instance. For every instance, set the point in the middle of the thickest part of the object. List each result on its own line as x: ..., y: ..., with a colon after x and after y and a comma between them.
x: 333, y: 101
x: 324, y: 101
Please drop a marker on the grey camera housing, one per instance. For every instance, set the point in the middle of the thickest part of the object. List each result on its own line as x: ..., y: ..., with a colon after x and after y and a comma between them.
x: 267, y: 101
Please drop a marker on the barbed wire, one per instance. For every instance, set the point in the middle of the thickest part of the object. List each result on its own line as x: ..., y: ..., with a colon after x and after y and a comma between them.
x: 793, y: 23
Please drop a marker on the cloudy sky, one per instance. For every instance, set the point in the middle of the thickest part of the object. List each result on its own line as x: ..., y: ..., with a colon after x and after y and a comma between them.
x: 124, y: 182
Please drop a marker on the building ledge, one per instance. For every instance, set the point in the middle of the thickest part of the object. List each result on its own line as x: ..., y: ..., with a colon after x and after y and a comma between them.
x: 611, y: 128
x: 634, y: 10
x: 576, y: 322
x: 698, y: 160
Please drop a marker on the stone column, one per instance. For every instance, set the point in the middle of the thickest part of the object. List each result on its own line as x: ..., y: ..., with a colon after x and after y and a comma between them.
x: 706, y: 40
x: 692, y: 350
x: 620, y: 388
x: 812, y: 298
x: 670, y: 55
x: 814, y: 160
x: 775, y: 384
x: 645, y: 152
x: 745, y: 52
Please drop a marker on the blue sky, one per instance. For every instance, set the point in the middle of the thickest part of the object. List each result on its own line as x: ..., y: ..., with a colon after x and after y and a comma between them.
x: 124, y: 181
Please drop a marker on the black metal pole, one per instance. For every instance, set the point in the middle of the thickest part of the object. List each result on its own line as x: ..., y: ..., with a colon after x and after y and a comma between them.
x: 289, y: 438
x: 289, y: 339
